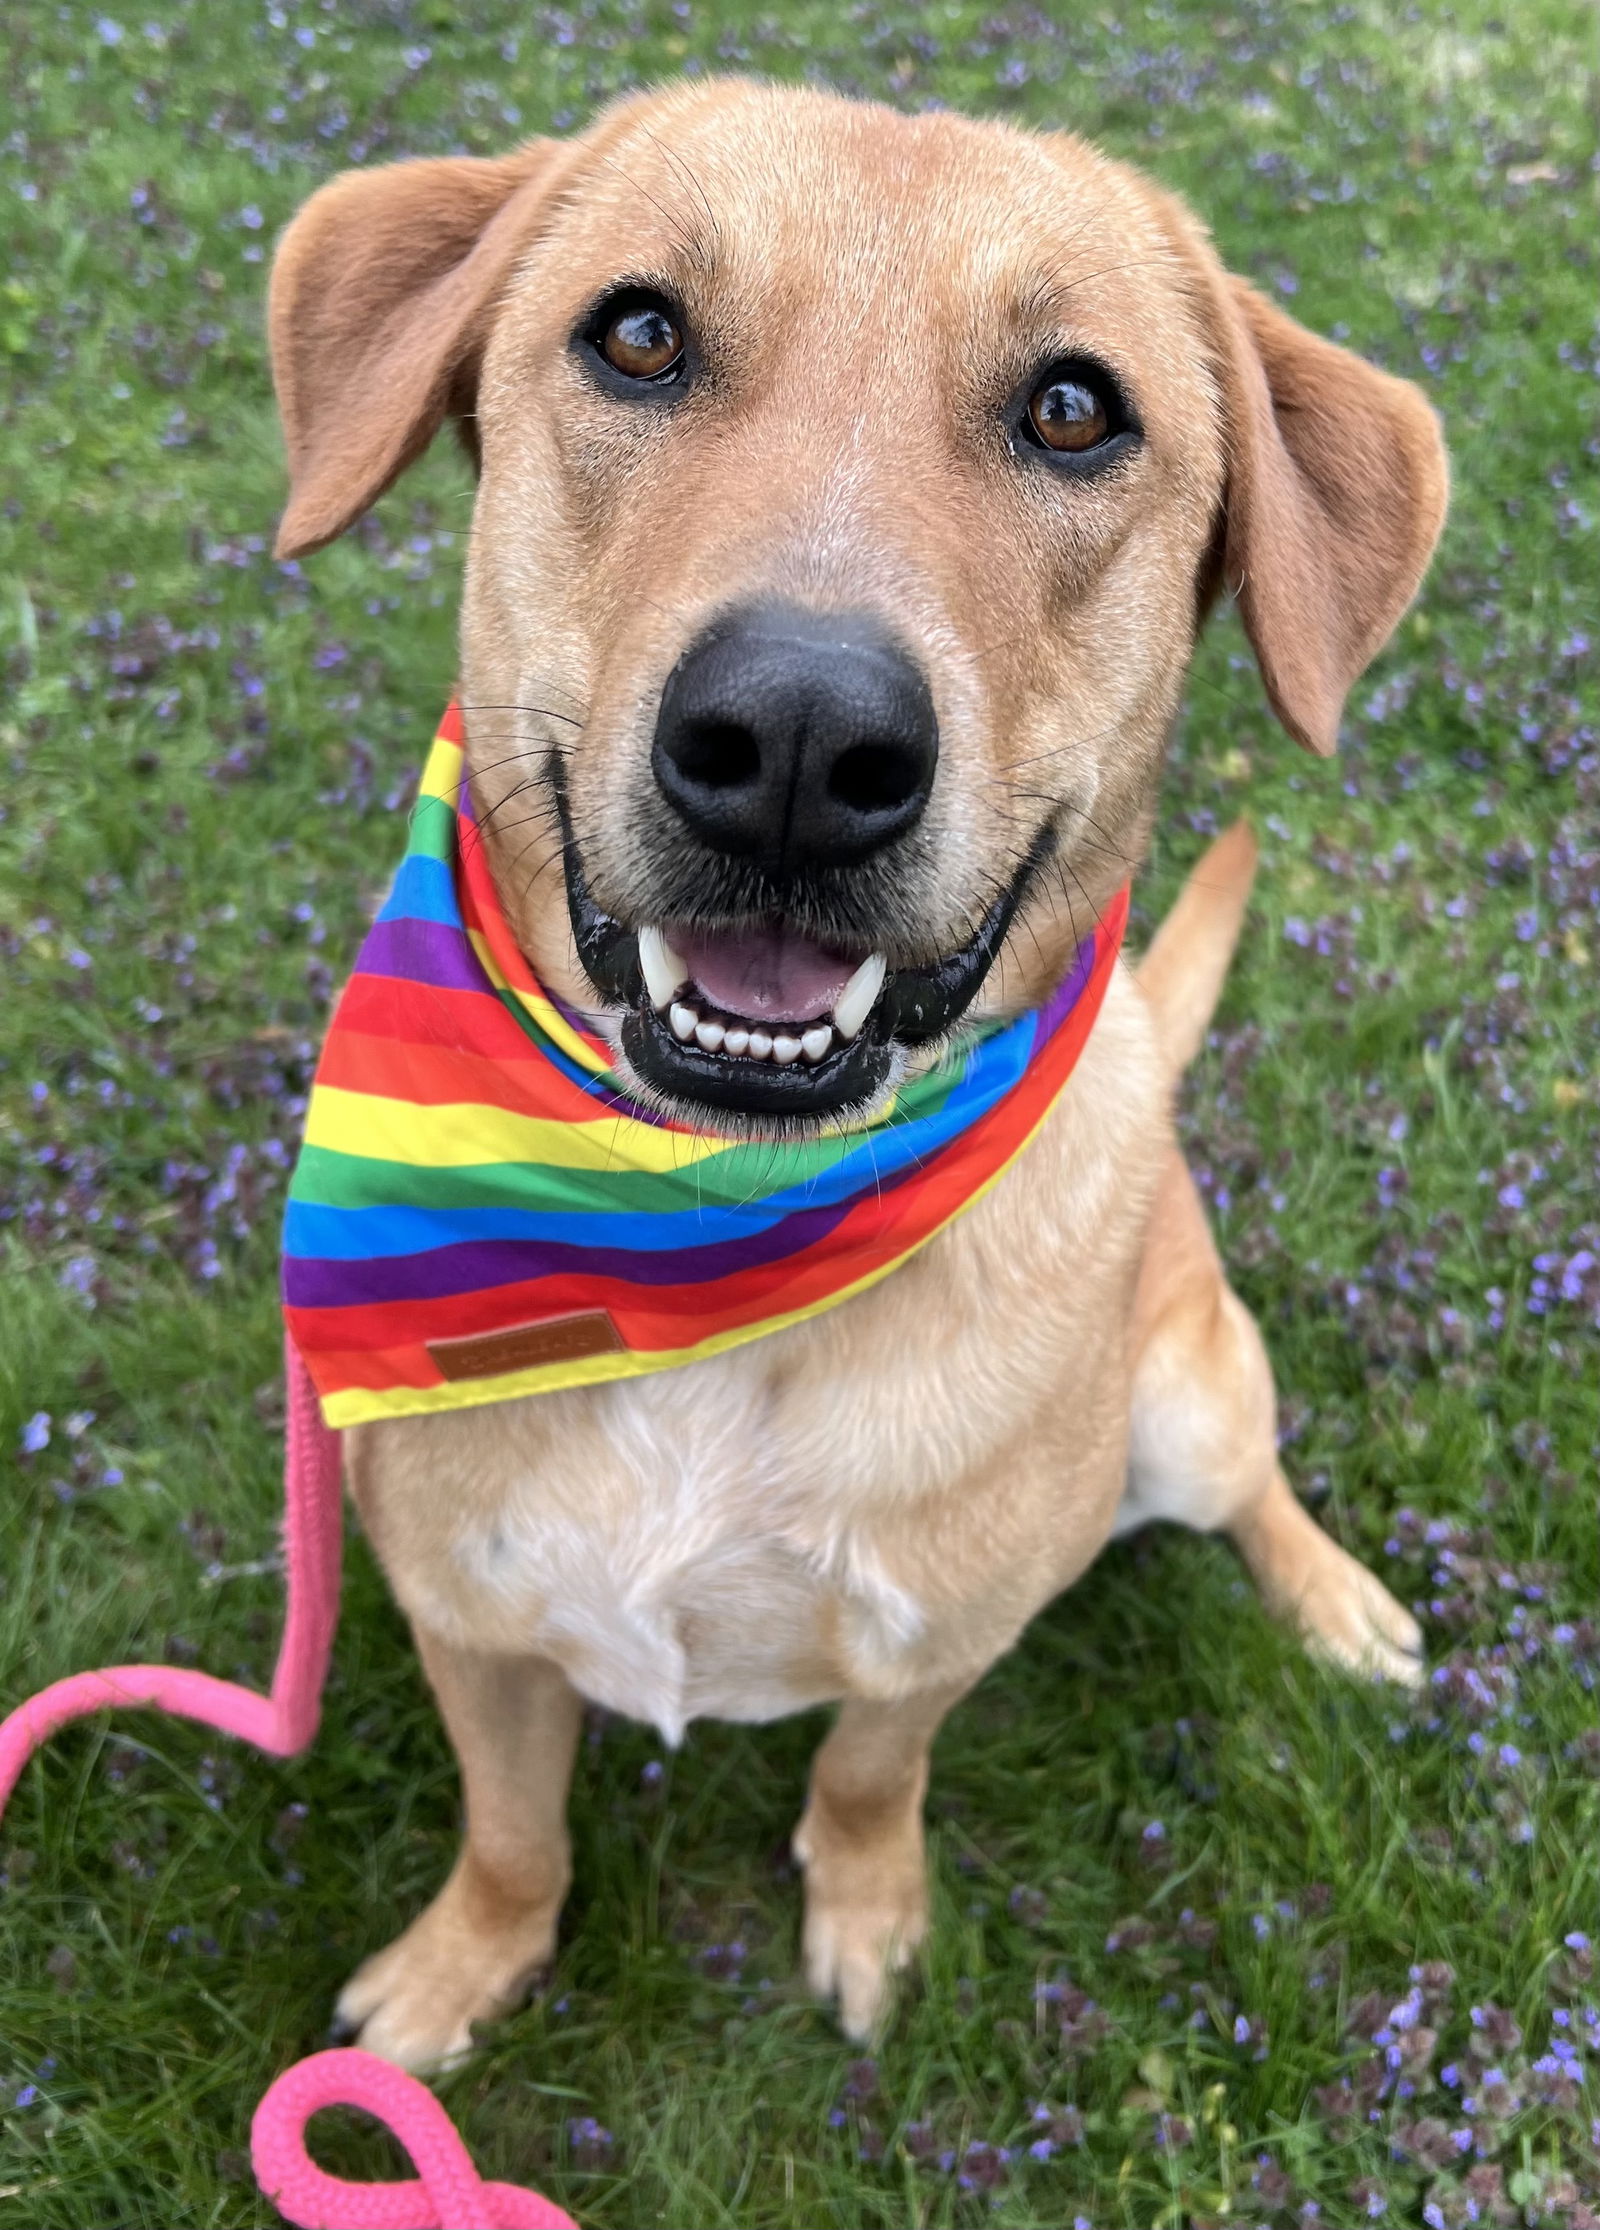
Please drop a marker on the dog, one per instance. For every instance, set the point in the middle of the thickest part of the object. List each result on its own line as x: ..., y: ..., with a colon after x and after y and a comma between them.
x: 851, y: 489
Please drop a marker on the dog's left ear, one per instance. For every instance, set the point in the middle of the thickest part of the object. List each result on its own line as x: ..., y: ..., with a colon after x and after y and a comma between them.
x: 1336, y: 492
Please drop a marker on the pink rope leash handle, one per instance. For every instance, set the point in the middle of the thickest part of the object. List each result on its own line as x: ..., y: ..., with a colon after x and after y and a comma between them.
x: 450, y: 2195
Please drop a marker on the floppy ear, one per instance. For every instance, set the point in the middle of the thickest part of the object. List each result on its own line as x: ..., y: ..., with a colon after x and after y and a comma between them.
x: 381, y: 294
x: 1337, y: 487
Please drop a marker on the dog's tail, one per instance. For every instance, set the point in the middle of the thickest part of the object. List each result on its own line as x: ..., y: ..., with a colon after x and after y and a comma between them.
x: 1183, y: 972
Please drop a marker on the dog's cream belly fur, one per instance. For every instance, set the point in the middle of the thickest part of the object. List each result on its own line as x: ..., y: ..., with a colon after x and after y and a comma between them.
x: 870, y: 1503
x: 701, y: 1591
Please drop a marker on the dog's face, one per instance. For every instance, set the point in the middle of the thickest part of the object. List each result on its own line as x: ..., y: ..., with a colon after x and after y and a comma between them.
x: 855, y: 502
x: 851, y: 489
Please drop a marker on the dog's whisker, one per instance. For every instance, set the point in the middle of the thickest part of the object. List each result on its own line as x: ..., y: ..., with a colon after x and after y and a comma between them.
x: 531, y: 712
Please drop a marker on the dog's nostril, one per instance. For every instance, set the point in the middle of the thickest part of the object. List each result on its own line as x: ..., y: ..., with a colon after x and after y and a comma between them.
x: 875, y: 777
x: 718, y: 754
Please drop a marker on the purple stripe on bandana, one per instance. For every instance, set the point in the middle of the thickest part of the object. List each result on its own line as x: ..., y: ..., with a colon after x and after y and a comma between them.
x: 477, y: 1264
x: 423, y: 952
x: 1061, y: 1002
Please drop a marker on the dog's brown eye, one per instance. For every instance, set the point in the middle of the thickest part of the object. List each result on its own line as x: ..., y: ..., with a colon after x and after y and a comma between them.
x: 642, y: 342
x: 1066, y: 415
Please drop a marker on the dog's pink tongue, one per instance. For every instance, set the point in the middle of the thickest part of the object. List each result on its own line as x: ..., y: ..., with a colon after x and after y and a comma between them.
x: 768, y: 975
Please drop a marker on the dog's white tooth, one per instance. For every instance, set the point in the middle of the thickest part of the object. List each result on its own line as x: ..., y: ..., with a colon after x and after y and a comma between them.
x: 709, y: 1034
x: 736, y: 1041
x: 663, y: 971
x: 816, y: 1042
x: 760, y: 1045
x: 855, y: 1001
x: 785, y: 1050
x: 684, y: 1021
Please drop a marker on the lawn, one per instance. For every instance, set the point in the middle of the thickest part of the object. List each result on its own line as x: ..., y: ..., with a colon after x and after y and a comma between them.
x: 1218, y: 1936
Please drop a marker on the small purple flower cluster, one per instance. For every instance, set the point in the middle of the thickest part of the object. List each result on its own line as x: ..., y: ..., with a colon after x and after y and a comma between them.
x: 723, y: 1962
x: 1487, y: 2098
x: 25, y: 2091
x: 589, y: 2143
x: 80, y: 1460
x: 1081, y: 2025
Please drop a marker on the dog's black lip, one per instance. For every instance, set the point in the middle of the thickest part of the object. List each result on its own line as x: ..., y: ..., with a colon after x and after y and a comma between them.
x: 848, y: 1075
x: 915, y: 1006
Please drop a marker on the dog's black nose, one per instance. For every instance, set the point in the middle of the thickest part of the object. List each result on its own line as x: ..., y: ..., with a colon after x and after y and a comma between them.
x: 796, y: 738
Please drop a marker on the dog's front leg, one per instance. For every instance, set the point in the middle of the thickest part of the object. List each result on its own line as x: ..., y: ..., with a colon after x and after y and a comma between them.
x: 514, y: 1722
x: 860, y: 1842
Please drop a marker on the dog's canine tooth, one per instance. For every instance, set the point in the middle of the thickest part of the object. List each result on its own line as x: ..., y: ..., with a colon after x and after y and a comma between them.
x: 760, y: 1044
x: 684, y: 1021
x: 709, y: 1034
x: 736, y: 1040
x: 816, y: 1042
x: 855, y: 1001
x: 785, y: 1050
x: 663, y: 971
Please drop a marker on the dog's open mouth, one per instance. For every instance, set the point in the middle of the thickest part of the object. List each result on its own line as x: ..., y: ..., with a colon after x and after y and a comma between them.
x: 761, y: 1019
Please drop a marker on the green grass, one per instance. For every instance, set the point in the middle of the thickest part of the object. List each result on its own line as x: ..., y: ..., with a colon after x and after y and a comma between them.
x: 206, y: 761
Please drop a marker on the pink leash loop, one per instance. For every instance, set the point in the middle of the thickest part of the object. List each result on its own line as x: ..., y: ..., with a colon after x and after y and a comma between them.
x: 449, y: 2193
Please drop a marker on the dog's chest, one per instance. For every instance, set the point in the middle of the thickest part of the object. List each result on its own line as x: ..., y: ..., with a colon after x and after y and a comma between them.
x: 866, y: 1503
x: 689, y: 1558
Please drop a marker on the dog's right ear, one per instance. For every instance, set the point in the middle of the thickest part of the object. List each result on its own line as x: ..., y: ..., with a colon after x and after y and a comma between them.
x: 381, y: 294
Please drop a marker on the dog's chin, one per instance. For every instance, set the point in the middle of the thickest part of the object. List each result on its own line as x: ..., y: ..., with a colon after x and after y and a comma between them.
x: 762, y: 1028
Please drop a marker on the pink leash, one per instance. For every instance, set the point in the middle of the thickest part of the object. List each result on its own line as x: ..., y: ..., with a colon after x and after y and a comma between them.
x: 282, y: 1722
x: 449, y: 2195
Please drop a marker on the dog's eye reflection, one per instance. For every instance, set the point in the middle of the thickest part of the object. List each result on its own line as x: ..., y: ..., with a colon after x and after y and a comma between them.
x: 642, y: 341
x: 1063, y: 414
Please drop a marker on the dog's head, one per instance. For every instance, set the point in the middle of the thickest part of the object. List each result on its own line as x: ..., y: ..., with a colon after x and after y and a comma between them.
x: 851, y: 489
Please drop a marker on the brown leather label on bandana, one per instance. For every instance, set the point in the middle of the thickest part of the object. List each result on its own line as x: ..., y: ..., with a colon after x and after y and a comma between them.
x: 520, y: 1347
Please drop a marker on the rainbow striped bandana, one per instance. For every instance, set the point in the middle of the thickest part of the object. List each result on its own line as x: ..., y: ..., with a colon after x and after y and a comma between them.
x: 480, y: 1211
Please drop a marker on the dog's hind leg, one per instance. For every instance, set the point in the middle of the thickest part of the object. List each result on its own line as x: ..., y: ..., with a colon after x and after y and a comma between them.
x: 1203, y: 1447
x: 471, y: 1955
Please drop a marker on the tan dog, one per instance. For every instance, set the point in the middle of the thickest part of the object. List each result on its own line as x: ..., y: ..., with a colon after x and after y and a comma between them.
x: 852, y: 487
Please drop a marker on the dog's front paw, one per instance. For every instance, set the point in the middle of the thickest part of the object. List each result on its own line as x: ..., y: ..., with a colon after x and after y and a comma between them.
x: 416, y: 2001
x: 1348, y: 1618
x: 866, y: 1914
